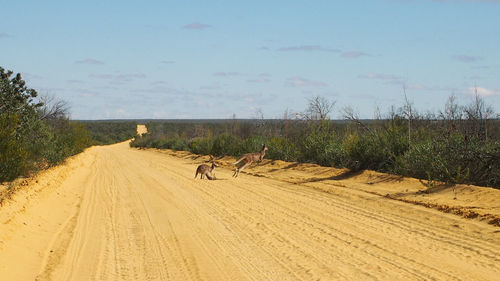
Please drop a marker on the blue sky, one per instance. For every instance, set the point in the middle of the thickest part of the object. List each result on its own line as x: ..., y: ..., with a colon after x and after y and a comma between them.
x: 213, y: 59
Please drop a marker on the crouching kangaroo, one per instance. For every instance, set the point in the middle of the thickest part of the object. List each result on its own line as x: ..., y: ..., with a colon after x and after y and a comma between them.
x: 205, y: 170
x: 249, y: 158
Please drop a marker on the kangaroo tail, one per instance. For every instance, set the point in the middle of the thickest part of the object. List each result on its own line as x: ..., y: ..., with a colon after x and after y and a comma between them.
x: 241, y: 159
x: 210, y: 177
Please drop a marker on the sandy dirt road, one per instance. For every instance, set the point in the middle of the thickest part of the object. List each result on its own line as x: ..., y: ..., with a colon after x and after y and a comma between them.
x: 117, y: 213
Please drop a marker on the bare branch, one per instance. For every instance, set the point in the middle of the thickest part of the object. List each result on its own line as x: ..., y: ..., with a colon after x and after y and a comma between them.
x: 318, y: 108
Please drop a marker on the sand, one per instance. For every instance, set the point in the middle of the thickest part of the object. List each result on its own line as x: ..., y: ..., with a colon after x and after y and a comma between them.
x: 141, y: 130
x: 118, y: 213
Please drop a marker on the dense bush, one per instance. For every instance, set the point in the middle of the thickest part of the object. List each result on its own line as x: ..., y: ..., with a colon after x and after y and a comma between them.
x: 320, y: 145
x: 454, y: 159
x: 453, y: 151
x: 12, y: 149
x: 376, y: 150
x: 32, y: 134
x: 281, y: 149
x: 108, y: 132
x: 201, y: 145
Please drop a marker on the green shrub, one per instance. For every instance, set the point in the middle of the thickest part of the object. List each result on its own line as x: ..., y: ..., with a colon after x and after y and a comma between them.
x: 13, y: 153
x: 109, y: 132
x: 249, y: 145
x: 321, y: 145
x: 201, y: 145
x: 225, y: 145
x: 281, y: 149
x: 33, y: 134
x: 452, y: 160
x: 451, y: 156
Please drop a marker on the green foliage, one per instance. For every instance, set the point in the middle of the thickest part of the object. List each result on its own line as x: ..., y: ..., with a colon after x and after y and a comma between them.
x: 454, y: 159
x: 12, y: 150
x: 281, y: 149
x: 225, y: 145
x: 162, y: 142
x: 141, y: 141
x: 383, y: 146
x: 320, y: 145
x: 201, y: 145
x: 375, y: 150
x: 28, y: 138
x: 68, y: 141
x: 248, y: 145
x: 109, y: 132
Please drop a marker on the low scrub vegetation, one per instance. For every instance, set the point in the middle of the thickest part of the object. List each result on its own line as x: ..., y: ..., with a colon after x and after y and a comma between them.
x: 461, y: 144
x: 108, y: 132
x: 34, y: 132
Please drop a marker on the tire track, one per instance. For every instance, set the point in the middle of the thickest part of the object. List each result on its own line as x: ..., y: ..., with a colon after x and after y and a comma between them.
x: 142, y: 216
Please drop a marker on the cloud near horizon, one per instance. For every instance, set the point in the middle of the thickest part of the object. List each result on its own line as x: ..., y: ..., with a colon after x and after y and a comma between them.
x: 119, y: 77
x: 302, y: 82
x: 89, y: 61
x: 225, y: 74
x: 484, y: 92
x: 308, y: 48
x: 379, y: 76
x: 259, y: 80
x: 30, y: 76
x: 5, y: 35
x: 196, y: 25
x: 353, y: 54
x: 466, y: 58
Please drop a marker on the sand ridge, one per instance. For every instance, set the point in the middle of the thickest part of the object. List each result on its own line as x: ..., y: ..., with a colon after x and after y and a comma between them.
x: 118, y: 213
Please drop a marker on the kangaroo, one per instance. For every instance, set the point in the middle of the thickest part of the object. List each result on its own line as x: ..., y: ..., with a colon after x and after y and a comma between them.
x: 205, y: 170
x: 249, y: 158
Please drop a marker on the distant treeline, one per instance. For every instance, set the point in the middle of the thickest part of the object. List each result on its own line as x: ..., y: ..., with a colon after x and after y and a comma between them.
x: 34, y: 132
x: 108, y: 132
x: 460, y: 144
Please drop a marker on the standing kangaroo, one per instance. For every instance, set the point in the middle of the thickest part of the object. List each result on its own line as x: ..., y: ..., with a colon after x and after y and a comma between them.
x: 205, y: 170
x: 249, y: 158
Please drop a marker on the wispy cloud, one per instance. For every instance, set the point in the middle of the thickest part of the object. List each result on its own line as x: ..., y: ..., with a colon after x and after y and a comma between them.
x: 82, y: 92
x: 422, y: 87
x: 353, y: 54
x: 30, y: 76
x: 307, y: 48
x: 196, y: 25
x: 303, y: 82
x: 165, y: 91
x: 119, y: 77
x: 259, y: 80
x: 167, y: 61
x: 5, y: 35
x: 89, y: 61
x: 226, y: 74
x: 379, y: 76
x: 214, y: 86
x: 484, y: 92
x: 481, y: 67
x: 466, y: 58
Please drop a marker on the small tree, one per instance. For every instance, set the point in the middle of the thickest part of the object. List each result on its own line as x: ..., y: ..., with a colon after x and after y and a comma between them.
x: 318, y: 108
x: 478, y: 113
x: 408, y: 112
